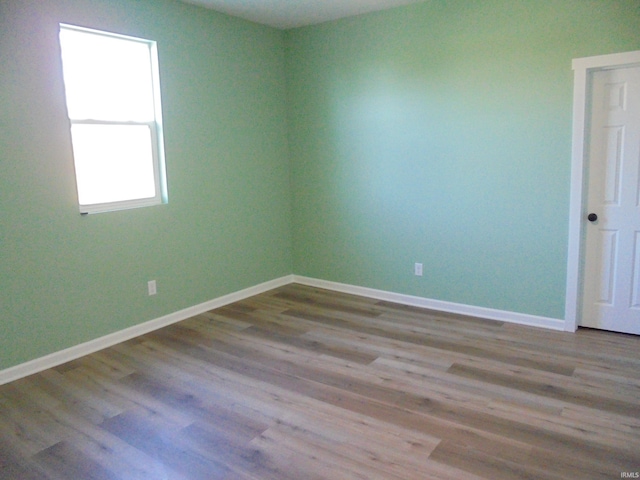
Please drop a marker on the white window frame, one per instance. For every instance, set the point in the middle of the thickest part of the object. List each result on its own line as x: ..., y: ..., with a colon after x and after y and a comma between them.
x: 155, y: 128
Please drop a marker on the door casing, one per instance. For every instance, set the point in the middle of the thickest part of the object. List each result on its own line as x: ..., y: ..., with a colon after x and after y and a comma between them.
x: 582, y: 68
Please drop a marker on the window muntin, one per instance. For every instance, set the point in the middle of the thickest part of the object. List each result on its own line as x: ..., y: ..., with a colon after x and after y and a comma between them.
x: 113, y: 103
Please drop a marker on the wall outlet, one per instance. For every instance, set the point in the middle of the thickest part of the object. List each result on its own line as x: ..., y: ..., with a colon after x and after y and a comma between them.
x: 151, y: 287
x: 417, y: 269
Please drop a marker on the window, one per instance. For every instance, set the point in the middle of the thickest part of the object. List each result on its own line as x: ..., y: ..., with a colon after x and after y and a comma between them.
x: 113, y: 103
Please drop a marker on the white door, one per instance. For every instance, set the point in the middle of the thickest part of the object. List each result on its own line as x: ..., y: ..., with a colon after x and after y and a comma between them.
x: 611, y: 296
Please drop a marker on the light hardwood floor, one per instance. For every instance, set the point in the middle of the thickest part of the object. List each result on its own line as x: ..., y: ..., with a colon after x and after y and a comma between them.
x: 301, y: 383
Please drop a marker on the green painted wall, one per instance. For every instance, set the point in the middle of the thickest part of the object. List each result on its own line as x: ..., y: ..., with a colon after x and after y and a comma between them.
x: 437, y: 133
x: 66, y: 279
x: 440, y: 133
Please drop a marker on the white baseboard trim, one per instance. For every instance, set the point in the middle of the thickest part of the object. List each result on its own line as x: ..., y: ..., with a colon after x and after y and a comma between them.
x: 57, y: 358
x: 439, y: 305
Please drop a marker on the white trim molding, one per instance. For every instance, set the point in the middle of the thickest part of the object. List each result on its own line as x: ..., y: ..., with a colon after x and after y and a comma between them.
x: 439, y: 305
x: 582, y: 68
x: 57, y: 358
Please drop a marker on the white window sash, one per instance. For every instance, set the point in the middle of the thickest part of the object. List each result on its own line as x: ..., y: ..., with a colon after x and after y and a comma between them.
x: 158, y: 198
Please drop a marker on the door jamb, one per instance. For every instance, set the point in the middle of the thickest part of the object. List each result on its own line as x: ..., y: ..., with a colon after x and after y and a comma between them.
x: 582, y: 67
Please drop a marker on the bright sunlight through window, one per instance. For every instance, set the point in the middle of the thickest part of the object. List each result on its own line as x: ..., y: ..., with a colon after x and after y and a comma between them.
x: 113, y: 102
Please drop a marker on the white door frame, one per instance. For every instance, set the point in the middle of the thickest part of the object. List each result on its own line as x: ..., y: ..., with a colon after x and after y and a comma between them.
x: 582, y: 67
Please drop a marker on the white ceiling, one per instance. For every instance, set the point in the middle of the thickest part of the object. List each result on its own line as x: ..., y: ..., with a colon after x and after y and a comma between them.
x: 296, y: 13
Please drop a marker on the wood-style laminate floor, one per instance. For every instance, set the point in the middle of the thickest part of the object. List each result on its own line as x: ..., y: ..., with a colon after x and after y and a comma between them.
x: 301, y: 383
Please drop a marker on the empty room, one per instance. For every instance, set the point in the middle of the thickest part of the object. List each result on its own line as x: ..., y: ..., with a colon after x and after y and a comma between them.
x: 346, y: 239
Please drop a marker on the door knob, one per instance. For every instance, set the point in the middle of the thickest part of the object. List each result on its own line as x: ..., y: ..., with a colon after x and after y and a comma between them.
x: 592, y: 217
